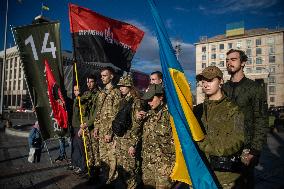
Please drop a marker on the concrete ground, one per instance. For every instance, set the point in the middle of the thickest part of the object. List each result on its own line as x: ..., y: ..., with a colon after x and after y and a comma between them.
x: 17, y: 172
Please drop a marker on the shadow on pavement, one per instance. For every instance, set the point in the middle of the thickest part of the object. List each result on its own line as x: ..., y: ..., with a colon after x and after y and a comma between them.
x: 48, y: 182
x: 270, y: 171
x: 32, y: 171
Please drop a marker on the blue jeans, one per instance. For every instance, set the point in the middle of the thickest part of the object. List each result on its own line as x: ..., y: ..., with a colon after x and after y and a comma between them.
x: 62, y: 152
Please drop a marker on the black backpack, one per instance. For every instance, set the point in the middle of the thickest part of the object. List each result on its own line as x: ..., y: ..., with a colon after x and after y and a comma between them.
x: 123, y: 120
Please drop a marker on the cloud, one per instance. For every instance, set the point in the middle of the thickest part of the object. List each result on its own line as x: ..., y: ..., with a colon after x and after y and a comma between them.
x: 147, y: 57
x: 226, y: 6
x: 182, y: 9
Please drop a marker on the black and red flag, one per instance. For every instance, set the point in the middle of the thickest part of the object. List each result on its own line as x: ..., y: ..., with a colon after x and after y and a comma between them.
x: 56, y: 99
x: 98, y: 39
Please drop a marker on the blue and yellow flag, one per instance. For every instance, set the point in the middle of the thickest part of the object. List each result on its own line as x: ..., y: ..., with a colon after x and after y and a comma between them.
x: 189, y: 166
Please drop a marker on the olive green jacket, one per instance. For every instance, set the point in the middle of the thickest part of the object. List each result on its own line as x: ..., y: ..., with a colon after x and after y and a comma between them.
x: 251, y: 98
x: 223, y: 124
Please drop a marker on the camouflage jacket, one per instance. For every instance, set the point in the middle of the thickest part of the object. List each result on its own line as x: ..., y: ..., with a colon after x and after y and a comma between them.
x: 107, y: 107
x: 157, y: 140
x: 88, y: 104
x: 134, y: 134
x: 251, y: 98
x: 224, y: 126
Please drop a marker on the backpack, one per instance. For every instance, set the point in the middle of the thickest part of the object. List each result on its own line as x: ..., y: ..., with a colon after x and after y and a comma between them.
x: 123, y: 120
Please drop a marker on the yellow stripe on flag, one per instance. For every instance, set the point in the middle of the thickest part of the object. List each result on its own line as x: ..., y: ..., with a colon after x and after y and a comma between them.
x: 183, y: 91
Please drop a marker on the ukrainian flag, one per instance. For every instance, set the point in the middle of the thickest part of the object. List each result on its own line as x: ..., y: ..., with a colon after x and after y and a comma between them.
x: 189, y: 166
x: 44, y: 7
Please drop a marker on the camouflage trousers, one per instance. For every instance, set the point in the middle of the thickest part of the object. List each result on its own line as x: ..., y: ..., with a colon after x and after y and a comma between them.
x: 127, y: 168
x: 92, y: 146
x: 156, y: 175
x: 107, y: 161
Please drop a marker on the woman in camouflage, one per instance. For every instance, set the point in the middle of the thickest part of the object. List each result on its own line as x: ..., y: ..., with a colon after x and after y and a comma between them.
x: 127, y: 140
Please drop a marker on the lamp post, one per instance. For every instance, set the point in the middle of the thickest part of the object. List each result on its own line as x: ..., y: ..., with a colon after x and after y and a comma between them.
x: 4, y: 60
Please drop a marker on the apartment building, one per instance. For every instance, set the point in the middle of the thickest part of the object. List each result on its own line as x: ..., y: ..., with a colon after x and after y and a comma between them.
x: 264, y: 48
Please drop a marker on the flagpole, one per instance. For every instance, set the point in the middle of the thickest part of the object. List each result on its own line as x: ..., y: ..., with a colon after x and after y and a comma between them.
x: 41, y: 12
x: 4, y: 60
x: 81, y: 120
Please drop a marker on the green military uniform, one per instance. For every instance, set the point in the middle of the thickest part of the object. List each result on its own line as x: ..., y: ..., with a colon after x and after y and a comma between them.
x: 224, y: 126
x: 251, y: 99
x: 107, y: 107
x: 127, y: 165
x: 158, y: 153
x: 88, y: 102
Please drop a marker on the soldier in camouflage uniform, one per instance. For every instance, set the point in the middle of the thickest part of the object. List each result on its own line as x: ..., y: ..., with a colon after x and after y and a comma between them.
x: 158, y: 154
x: 223, y: 123
x: 251, y: 98
x: 107, y: 106
x: 88, y: 105
x: 126, y: 146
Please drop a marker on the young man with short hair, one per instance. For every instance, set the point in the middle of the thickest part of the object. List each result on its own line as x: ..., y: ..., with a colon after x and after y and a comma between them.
x: 251, y: 98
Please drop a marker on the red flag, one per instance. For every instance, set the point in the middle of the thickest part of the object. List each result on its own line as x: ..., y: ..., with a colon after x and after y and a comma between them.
x: 99, y: 39
x: 55, y: 98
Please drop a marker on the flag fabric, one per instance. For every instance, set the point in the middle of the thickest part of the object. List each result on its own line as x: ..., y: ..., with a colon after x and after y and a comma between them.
x: 56, y: 99
x: 98, y: 39
x: 189, y: 166
x: 44, y: 7
x: 36, y: 43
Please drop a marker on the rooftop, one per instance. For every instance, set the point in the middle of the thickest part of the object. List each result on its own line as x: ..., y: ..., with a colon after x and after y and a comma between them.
x: 248, y: 33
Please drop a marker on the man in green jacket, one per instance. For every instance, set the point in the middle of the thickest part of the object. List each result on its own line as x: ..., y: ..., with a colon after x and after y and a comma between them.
x: 251, y: 98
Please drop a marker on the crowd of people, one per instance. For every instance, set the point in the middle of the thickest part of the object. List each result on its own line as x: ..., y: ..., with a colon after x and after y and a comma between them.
x: 124, y: 139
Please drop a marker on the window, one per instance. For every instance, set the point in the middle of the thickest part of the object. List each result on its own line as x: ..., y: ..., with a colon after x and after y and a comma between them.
x: 272, y: 79
x: 249, y: 61
x: 213, y: 48
x: 203, y: 65
x: 239, y: 45
x: 213, y: 64
x: 230, y: 45
x: 213, y: 56
x: 271, y: 50
x: 271, y: 59
x: 204, y: 57
x: 258, y: 51
x: 204, y: 49
x: 248, y: 70
x: 248, y: 52
x: 258, y: 60
x: 249, y: 43
x: 272, y: 99
x: 270, y: 40
x: 221, y: 47
x: 258, y: 42
x: 272, y: 89
x: 221, y: 64
x: 258, y: 69
x: 221, y: 56
x: 272, y: 69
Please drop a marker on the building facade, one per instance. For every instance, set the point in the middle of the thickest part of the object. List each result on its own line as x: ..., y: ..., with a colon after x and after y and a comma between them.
x: 16, y: 94
x: 264, y: 48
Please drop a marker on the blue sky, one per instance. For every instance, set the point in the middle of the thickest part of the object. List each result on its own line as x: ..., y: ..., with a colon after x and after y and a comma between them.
x: 186, y: 21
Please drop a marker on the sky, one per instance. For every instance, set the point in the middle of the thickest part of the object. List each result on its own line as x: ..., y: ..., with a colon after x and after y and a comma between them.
x: 185, y: 20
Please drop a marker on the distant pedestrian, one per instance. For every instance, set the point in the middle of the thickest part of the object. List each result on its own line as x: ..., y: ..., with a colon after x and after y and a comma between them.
x: 35, y: 144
